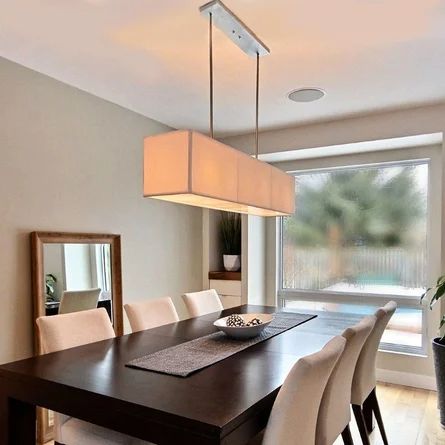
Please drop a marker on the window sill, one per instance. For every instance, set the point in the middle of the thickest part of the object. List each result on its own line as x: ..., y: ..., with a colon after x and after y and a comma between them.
x: 420, y: 353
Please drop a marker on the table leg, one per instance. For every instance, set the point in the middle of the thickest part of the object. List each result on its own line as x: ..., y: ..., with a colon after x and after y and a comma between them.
x: 17, y: 422
x: 3, y: 418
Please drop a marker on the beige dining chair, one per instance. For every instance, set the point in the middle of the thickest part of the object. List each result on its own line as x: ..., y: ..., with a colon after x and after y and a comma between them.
x: 78, y: 300
x: 293, y: 418
x: 59, y: 332
x: 335, y: 411
x: 203, y: 302
x: 363, y: 397
x: 151, y: 313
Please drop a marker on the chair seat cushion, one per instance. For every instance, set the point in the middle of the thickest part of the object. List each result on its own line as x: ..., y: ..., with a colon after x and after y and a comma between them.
x: 78, y: 432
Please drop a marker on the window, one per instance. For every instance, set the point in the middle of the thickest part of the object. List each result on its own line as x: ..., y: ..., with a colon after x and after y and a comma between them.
x: 359, y: 233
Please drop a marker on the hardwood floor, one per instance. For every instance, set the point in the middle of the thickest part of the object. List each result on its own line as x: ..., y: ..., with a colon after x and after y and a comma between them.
x: 411, y: 417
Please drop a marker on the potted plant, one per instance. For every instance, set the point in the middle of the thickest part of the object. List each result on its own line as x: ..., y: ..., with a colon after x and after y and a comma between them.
x: 439, y: 346
x: 50, y: 287
x: 230, y: 229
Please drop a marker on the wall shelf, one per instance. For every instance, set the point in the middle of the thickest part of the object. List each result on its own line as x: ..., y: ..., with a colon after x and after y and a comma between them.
x: 224, y: 275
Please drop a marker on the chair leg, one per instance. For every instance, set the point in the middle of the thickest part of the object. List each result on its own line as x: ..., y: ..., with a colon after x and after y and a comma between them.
x: 346, y: 436
x: 358, y: 413
x: 378, y: 416
x: 367, y: 414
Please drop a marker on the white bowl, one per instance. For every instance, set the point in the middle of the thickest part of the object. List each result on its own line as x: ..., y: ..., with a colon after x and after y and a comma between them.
x: 244, y: 331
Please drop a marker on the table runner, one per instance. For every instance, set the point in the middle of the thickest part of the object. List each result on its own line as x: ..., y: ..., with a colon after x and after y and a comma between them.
x: 186, y: 358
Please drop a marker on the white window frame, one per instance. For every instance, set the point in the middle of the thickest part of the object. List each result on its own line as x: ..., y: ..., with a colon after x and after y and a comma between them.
x: 430, y: 155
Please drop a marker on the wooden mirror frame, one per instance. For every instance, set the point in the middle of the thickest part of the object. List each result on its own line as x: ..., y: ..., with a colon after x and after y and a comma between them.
x: 38, y: 239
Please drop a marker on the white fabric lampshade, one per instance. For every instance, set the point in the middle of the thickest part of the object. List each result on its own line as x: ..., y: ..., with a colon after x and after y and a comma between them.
x: 187, y: 167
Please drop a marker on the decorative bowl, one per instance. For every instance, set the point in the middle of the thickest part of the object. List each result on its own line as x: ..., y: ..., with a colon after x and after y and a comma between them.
x: 243, y: 332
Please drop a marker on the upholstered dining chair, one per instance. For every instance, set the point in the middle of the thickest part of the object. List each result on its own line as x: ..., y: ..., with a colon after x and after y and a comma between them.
x: 335, y: 412
x: 363, y: 397
x: 58, y: 332
x: 293, y: 418
x: 151, y: 313
x: 203, y: 302
x: 78, y: 300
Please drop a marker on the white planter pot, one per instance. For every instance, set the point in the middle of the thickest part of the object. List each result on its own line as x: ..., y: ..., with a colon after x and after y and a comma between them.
x: 232, y: 263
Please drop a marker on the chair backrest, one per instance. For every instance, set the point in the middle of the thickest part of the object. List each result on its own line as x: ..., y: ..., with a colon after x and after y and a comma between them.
x: 335, y: 412
x: 78, y: 300
x: 151, y: 313
x: 58, y: 332
x: 364, y: 380
x: 294, y: 414
x: 203, y: 302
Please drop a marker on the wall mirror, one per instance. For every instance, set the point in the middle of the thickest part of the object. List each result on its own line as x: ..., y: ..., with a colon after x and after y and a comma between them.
x: 73, y: 272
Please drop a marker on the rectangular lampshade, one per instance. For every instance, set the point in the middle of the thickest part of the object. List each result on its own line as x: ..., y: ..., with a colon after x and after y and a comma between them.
x: 187, y: 167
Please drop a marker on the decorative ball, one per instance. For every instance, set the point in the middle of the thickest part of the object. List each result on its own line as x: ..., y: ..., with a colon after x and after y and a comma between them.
x: 235, y: 321
x: 254, y: 322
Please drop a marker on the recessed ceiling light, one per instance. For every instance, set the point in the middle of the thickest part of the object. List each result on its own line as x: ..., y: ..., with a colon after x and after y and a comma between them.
x: 306, y: 94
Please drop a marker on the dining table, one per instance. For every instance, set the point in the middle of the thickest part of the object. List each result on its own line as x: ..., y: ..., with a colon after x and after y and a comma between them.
x: 226, y: 403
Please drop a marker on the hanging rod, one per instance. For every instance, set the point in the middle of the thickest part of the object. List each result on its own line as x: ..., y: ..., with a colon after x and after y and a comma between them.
x: 222, y: 17
x: 257, y: 106
x: 211, y: 71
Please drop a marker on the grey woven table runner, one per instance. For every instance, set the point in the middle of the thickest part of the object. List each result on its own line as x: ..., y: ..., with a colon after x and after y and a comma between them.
x: 189, y: 357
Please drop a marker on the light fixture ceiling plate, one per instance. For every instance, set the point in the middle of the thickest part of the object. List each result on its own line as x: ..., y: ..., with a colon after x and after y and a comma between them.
x: 234, y: 28
x: 187, y: 167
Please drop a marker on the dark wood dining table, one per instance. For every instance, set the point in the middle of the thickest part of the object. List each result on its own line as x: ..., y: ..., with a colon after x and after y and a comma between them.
x: 227, y: 403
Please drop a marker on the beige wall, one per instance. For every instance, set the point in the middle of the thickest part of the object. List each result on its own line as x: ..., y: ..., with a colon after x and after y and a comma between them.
x: 71, y: 161
x: 408, y: 122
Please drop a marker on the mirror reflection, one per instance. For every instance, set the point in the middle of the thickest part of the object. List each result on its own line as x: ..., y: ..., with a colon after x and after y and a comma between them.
x: 77, y: 277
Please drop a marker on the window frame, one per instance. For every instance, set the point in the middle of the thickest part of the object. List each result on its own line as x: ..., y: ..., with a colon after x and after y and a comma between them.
x: 409, y: 156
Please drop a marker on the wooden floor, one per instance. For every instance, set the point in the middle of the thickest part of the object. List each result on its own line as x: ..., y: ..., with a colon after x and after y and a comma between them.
x: 410, y: 415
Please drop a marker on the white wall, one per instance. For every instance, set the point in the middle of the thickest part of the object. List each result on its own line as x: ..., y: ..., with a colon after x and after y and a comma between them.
x: 255, y: 260
x: 421, y: 120
x: 70, y: 161
x: 78, y: 267
x: 408, y: 122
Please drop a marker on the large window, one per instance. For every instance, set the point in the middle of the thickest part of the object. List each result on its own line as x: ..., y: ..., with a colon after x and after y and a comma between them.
x: 359, y: 233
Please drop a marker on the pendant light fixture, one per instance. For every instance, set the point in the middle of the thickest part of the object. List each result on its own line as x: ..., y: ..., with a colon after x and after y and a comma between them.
x: 187, y: 167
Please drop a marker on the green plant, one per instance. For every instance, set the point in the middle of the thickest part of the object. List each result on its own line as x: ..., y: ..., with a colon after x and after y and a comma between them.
x: 439, y: 292
x: 365, y: 206
x: 230, y: 229
x: 50, y: 287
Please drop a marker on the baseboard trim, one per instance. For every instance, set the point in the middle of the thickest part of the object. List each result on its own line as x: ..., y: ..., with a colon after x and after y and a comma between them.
x: 407, y: 379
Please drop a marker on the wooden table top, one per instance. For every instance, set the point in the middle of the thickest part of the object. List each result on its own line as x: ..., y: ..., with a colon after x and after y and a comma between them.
x: 224, y: 403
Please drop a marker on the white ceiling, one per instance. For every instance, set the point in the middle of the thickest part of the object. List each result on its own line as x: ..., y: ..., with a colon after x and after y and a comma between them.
x: 151, y: 56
